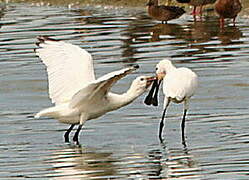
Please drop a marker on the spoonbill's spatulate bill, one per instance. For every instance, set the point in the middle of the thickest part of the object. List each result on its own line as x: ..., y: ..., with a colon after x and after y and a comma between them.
x: 179, y: 84
x: 152, y: 99
x: 77, y: 95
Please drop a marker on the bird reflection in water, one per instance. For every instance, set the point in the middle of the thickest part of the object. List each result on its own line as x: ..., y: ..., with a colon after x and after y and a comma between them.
x: 159, y: 30
x: 230, y: 35
x: 174, y: 163
x: 89, y: 163
x: 80, y: 162
x: 204, y: 31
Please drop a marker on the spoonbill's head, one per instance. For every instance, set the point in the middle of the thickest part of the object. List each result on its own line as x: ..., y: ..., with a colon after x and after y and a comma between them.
x: 141, y: 83
x: 162, y: 68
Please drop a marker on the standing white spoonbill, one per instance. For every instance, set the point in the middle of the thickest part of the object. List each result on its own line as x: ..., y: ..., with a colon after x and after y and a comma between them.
x: 179, y: 84
x: 77, y: 95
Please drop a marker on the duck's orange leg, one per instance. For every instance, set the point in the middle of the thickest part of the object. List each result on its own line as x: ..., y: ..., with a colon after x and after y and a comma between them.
x: 200, y: 10
x: 197, y: 11
x: 194, y: 11
x: 221, y: 22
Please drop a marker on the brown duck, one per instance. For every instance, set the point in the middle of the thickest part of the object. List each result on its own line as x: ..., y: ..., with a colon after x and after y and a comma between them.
x: 163, y: 13
x: 227, y: 9
x: 197, y: 3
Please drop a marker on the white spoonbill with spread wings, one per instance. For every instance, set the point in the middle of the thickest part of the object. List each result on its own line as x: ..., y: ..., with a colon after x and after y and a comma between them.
x: 179, y: 84
x: 77, y: 95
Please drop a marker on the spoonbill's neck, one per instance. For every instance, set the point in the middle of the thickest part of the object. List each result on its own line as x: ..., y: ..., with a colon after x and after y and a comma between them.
x: 120, y: 100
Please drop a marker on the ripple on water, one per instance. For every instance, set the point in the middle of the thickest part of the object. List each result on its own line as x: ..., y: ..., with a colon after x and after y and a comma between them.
x: 123, y: 144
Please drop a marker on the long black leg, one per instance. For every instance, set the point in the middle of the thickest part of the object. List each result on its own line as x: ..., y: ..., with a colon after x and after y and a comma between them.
x: 76, y: 135
x: 162, y: 121
x: 183, y: 125
x: 161, y: 125
x: 66, y: 135
x: 155, y: 98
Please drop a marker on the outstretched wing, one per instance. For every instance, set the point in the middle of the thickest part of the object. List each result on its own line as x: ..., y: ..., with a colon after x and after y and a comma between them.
x: 100, y: 87
x: 69, y: 68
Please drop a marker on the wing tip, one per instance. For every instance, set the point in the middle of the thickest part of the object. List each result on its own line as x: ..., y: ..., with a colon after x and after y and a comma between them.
x: 37, y: 116
x: 42, y: 39
x: 136, y: 66
x: 133, y: 67
x: 45, y: 38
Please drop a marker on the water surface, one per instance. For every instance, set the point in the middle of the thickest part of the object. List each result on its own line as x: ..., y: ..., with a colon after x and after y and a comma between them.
x: 124, y: 144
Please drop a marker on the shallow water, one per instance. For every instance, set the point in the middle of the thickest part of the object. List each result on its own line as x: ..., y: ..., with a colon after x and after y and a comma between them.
x: 124, y: 144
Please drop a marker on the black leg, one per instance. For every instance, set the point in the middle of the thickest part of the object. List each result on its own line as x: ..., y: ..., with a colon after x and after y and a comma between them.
x: 161, y: 125
x: 76, y: 135
x: 66, y: 135
x: 162, y: 120
x: 183, y: 125
x: 234, y: 21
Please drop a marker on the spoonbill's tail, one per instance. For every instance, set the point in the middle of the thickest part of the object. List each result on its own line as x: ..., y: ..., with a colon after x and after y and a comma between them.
x: 48, y: 112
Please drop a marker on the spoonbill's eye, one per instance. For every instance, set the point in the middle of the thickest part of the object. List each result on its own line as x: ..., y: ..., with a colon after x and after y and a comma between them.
x: 156, y: 68
x: 142, y: 79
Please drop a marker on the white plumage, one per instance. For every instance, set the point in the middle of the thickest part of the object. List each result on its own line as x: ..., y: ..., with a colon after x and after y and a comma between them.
x: 179, y: 85
x: 67, y: 71
x: 77, y: 95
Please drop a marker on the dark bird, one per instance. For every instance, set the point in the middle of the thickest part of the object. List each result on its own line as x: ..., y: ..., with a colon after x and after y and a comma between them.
x: 163, y: 13
x: 183, y: 1
x: 227, y: 9
x: 197, y: 3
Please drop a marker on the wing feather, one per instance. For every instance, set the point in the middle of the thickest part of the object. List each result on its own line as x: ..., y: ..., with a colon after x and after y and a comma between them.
x: 69, y: 68
x: 100, y: 87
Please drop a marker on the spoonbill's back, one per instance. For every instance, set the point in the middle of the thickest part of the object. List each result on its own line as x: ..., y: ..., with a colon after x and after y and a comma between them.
x: 179, y: 84
x: 77, y: 95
